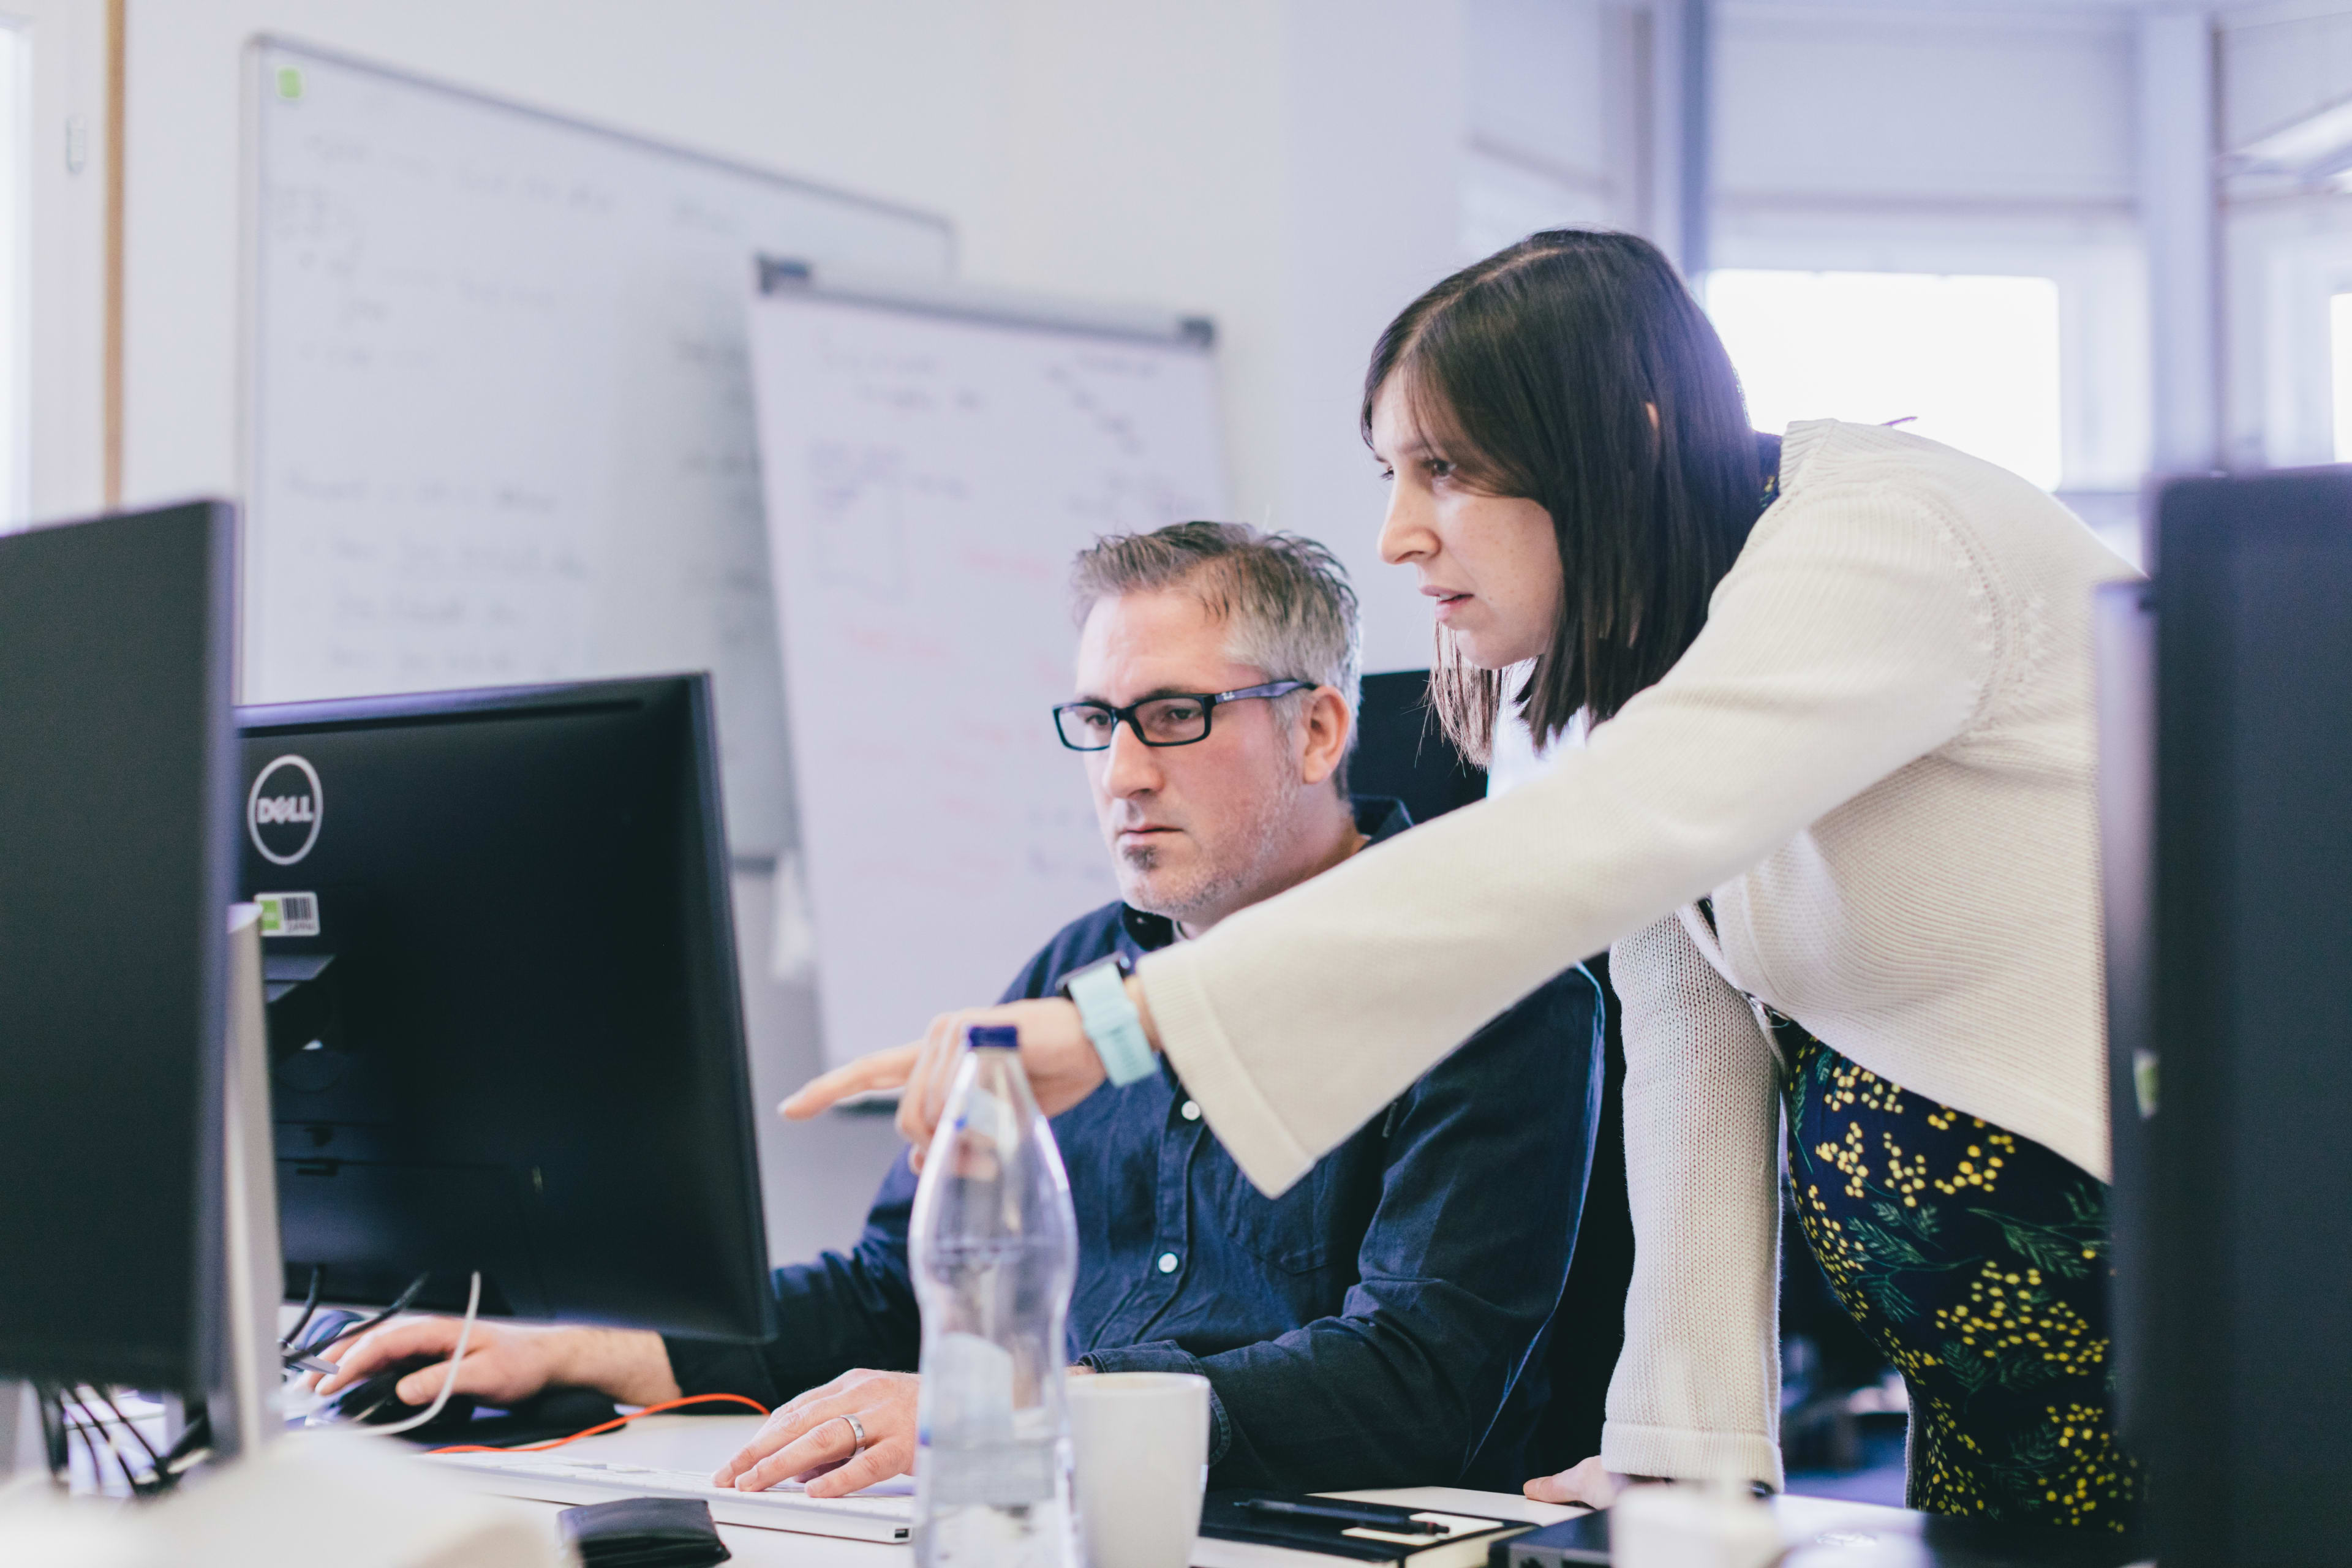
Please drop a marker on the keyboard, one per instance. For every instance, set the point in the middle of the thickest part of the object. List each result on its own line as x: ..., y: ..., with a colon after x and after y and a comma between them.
x: 879, y: 1514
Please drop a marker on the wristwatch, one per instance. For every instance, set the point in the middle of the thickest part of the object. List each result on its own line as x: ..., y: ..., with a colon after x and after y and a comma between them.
x: 1109, y: 1018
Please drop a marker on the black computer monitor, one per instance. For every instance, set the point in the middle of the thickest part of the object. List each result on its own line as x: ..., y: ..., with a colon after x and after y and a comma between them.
x: 116, y: 808
x: 2226, y: 774
x: 505, y: 1029
x: 1401, y: 750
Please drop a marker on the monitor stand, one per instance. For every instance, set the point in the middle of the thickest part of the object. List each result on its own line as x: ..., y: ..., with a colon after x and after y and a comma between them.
x: 244, y: 1404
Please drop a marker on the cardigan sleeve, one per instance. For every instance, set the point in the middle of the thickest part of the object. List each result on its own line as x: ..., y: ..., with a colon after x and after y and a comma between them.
x: 1696, y: 1392
x: 1854, y: 635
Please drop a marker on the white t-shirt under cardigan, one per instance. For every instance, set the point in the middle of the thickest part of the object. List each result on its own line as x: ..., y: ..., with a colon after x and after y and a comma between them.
x: 1877, y: 759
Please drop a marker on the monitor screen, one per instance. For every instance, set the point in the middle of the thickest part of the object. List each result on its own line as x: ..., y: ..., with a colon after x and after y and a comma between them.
x: 505, y: 1029
x: 115, y: 817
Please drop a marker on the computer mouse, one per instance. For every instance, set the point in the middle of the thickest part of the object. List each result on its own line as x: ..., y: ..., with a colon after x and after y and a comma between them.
x: 373, y: 1402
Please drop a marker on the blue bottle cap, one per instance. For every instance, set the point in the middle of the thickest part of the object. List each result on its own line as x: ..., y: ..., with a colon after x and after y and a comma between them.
x: 995, y: 1038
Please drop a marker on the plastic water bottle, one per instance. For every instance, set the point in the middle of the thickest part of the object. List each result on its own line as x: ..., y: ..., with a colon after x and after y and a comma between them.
x: 994, y: 1246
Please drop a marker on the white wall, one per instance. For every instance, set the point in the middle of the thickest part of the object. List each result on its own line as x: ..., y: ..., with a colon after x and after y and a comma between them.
x: 1869, y: 104
x: 1556, y: 92
x: 2280, y: 63
x: 58, y: 396
x: 1289, y: 167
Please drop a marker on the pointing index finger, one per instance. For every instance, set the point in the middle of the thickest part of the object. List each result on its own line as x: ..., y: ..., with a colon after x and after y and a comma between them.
x: 883, y: 1069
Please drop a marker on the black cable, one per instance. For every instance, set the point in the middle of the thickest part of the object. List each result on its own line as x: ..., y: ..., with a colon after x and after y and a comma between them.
x: 157, y: 1480
x: 309, y: 1305
x: 55, y: 1441
x: 94, y: 1426
x: 193, y: 1445
x: 399, y: 1305
x: 98, y: 1469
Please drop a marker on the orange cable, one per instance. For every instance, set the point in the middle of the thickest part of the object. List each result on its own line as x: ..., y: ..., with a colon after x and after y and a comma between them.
x: 607, y: 1426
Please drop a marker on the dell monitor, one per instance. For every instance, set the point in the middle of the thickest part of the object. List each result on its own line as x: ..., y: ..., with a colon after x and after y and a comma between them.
x: 505, y: 1031
x: 115, y: 821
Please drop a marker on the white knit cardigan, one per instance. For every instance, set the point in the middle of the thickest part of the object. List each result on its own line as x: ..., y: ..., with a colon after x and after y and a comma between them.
x: 1877, y: 759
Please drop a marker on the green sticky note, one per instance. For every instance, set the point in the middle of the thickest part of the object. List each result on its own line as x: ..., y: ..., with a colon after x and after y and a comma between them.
x: 290, y: 82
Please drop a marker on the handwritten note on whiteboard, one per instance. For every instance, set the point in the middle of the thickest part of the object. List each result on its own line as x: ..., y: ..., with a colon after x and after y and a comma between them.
x: 929, y: 478
x: 501, y: 404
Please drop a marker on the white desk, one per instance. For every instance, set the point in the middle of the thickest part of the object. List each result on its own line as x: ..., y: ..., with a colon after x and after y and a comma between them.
x: 700, y: 1442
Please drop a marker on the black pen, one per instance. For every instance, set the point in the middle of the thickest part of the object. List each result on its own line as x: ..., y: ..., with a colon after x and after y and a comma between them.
x: 1376, y: 1516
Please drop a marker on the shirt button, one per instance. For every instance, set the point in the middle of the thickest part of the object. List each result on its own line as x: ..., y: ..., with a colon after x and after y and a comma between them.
x: 1168, y: 1263
x: 1191, y: 1111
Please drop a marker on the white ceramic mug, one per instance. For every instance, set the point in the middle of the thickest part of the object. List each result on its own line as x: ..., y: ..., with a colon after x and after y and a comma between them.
x: 1141, y: 1440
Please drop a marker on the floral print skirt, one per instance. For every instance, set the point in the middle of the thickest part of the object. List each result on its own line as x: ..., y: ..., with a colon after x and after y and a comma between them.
x: 1977, y: 1261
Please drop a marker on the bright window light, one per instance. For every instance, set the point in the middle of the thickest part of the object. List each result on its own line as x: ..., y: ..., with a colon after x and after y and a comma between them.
x: 1969, y: 361
x: 2339, y: 348
x: 15, y: 172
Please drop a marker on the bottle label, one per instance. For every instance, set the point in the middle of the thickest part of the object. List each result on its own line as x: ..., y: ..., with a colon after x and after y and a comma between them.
x: 1004, y: 1475
x: 967, y: 1391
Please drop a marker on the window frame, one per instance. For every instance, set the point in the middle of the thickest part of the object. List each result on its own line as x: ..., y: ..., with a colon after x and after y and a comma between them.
x: 2097, y: 261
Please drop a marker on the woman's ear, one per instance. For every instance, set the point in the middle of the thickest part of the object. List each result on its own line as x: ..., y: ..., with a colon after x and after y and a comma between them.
x: 1324, y: 731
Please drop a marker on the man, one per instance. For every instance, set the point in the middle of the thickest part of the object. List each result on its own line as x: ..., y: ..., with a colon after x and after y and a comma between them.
x: 1379, y: 1324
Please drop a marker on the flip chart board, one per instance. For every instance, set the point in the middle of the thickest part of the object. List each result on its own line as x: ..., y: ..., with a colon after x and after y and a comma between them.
x: 500, y: 425
x: 932, y: 462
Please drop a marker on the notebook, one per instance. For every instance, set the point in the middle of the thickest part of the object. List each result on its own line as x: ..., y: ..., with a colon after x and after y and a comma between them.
x: 1234, y: 1535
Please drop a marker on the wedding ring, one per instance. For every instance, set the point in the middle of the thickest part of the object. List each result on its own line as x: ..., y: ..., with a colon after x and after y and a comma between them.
x: 857, y: 1431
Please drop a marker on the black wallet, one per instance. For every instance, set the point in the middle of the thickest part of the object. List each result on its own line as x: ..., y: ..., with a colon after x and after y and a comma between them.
x: 643, y: 1533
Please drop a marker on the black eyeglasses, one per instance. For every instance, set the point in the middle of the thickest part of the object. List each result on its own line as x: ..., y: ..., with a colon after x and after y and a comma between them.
x: 1177, y: 720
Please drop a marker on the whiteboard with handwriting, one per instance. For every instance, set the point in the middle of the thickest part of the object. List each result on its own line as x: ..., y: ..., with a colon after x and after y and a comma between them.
x: 929, y: 475
x: 500, y: 410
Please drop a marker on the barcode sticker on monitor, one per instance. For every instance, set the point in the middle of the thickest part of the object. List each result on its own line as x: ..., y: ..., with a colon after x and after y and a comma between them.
x: 288, y: 914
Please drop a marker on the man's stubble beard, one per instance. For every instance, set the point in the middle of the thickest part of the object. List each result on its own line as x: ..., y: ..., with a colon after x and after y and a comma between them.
x: 1213, y: 891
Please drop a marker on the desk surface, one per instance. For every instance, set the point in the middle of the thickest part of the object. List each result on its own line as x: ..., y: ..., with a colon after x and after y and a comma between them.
x: 700, y: 1442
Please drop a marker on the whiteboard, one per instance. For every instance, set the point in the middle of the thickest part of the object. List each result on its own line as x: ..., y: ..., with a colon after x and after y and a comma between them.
x: 500, y: 423
x: 930, y: 471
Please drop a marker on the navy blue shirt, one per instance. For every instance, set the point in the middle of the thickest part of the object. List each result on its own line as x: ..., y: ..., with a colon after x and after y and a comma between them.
x: 1382, y: 1323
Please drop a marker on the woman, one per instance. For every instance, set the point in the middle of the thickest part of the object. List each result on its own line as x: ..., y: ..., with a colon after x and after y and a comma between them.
x: 1836, y: 814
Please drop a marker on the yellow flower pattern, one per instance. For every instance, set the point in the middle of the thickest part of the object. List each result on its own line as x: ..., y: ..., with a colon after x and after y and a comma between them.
x: 1977, y: 1262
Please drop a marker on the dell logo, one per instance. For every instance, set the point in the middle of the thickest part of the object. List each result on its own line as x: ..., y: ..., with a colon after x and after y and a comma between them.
x: 283, y: 810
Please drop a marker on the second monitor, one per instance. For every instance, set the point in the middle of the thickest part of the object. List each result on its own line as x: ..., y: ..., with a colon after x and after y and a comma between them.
x: 505, y: 1028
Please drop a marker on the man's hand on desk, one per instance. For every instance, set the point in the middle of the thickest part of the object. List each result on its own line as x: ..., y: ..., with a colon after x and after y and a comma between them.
x: 507, y: 1362
x: 806, y: 1438
x: 807, y: 1435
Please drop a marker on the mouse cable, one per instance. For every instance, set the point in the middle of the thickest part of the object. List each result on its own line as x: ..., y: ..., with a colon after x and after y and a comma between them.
x: 399, y: 1305
x: 605, y: 1427
x: 448, y: 1383
x: 309, y: 1305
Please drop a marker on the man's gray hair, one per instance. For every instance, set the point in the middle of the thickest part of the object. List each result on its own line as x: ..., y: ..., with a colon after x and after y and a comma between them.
x: 1286, y: 602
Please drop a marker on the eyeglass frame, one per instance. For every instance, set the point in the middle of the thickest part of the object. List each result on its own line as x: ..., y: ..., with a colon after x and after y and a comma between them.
x: 1207, y: 700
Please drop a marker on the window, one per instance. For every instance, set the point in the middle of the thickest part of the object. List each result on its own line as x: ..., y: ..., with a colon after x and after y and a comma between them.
x: 1972, y: 361
x: 14, y: 251
x: 2339, y: 353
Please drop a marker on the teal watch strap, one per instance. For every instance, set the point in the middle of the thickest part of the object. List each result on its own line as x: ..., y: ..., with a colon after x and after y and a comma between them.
x: 1110, y: 1020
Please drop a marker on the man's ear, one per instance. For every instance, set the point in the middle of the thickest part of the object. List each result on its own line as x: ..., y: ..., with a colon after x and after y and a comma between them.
x: 1325, y: 732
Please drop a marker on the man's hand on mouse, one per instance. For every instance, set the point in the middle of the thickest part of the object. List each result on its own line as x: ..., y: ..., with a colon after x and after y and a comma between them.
x: 505, y: 1362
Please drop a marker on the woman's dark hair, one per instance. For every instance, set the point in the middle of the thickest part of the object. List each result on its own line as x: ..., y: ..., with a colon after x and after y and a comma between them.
x: 1530, y: 372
